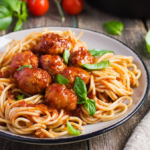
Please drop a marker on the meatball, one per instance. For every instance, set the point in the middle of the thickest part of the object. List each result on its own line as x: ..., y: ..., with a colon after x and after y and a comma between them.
x: 53, y: 64
x: 59, y: 97
x: 24, y: 58
x: 81, y: 57
x: 52, y: 44
x: 32, y: 81
x: 72, y: 72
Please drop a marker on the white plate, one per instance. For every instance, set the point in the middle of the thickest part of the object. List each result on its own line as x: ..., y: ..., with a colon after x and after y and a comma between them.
x: 93, y: 40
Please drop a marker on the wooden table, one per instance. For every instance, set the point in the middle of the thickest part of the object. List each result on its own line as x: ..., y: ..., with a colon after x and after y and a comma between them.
x: 133, y: 35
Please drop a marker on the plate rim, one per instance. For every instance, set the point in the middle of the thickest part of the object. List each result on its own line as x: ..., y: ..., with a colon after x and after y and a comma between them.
x: 89, y: 135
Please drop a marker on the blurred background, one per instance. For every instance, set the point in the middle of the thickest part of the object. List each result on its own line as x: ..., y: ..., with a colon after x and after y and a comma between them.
x: 123, y: 8
x: 13, y: 14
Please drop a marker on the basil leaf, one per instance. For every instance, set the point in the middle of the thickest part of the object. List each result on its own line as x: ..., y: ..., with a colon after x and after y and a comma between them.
x: 5, y: 17
x: 100, y: 65
x: 14, y: 5
x: 81, y: 93
x: 5, y: 22
x: 80, y: 89
x: 147, y: 39
x: 72, y: 130
x: 18, y: 25
x: 90, y: 105
x: 16, y: 8
x: 29, y: 66
x: 97, y: 52
x: 20, y: 97
x: 4, y: 12
x: 66, y: 55
x: 113, y: 27
x: 24, y: 14
x: 81, y: 101
x: 61, y: 79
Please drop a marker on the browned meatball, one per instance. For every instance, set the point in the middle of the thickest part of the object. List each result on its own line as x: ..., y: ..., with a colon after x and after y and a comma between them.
x: 59, y: 97
x: 81, y: 57
x: 52, y: 44
x: 53, y: 64
x: 24, y: 58
x: 32, y: 81
x: 72, y: 72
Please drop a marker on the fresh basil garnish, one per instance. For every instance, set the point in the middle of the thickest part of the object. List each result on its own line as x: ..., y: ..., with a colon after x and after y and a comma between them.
x: 29, y: 66
x: 100, y: 65
x: 20, y: 97
x: 80, y: 89
x: 98, y: 52
x: 113, y: 27
x: 90, y: 105
x: 81, y: 93
x: 72, y: 130
x: 147, y: 39
x: 81, y: 101
x: 66, y: 55
x: 61, y: 79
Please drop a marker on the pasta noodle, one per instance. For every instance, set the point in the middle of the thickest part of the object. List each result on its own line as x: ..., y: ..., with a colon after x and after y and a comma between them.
x: 110, y: 88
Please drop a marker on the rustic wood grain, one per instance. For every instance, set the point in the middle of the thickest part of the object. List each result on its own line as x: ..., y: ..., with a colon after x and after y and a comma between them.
x: 133, y: 35
x: 51, y: 18
x: 6, y: 144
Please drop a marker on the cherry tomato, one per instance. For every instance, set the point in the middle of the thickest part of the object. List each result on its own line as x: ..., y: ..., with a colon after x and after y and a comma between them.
x: 38, y: 7
x: 72, y: 7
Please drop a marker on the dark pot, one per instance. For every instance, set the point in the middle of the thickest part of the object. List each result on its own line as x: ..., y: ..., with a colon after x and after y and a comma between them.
x: 126, y: 8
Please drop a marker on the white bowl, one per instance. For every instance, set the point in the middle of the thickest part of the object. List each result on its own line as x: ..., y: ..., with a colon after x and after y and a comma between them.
x: 93, y: 40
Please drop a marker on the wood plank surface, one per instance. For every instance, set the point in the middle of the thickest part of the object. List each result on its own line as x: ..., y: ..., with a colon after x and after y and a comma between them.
x: 6, y: 144
x: 51, y: 18
x: 133, y: 35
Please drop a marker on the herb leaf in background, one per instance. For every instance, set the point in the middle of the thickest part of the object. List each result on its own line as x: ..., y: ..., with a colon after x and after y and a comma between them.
x: 98, y: 52
x: 113, y: 27
x: 18, y: 25
x: 24, y: 14
x: 10, y: 8
x: 5, y: 17
x: 5, y: 22
x: 81, y: 93
x: 100, y: 65
x: 72, y: 130
x: 66, y: 55
x: 4, y: 11
x: 147, y: 39
x: 61, y: 79
x: 29, y: 66
x: 14, y: 5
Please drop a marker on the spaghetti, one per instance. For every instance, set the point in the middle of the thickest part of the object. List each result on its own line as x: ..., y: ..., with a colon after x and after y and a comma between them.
x: 109, y: 88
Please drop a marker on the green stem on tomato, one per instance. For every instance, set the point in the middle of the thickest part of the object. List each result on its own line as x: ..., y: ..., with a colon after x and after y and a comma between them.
x: 60, y: 10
